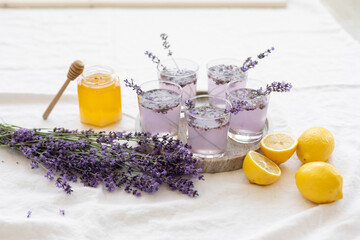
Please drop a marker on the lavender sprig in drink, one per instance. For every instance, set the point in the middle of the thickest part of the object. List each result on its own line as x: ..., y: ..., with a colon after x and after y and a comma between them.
x: 274, y: 87
x: 222, y: 71
x: 132, y: 85
x: 166, y: 45
x: 154, y: 59
x: 180, y: 71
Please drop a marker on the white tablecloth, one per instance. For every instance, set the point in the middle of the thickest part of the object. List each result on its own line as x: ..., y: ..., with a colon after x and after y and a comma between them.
x: 312, y: 51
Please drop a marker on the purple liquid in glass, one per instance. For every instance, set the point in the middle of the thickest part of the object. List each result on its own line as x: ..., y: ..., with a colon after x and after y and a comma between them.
x: 185, y: 78
x: 207, y: 129
x: 160, y: 111
x: 220, y: 75
x: 250, y: 121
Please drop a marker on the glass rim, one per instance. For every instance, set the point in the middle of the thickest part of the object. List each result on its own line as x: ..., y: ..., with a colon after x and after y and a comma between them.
x: 197, y: 67
x: 209, y: 96
x: 223, y: 59
x: 227, y: 93
x: 91, y: 70
x: 167, y: 82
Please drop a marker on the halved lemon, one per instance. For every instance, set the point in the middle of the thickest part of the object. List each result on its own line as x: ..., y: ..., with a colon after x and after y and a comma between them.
x: 260, y: 169
x: 278, y: 146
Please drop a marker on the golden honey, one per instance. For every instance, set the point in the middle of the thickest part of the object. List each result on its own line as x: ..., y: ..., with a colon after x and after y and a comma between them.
x: 99, y: 96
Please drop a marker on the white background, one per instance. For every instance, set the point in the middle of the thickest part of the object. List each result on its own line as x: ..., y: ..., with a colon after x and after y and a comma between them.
x: 312, y: 52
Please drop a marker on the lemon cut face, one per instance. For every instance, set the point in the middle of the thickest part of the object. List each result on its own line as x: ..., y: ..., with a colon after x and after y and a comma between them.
x: 260, y: 169
x: 319, y: 182
x: 278, y: 146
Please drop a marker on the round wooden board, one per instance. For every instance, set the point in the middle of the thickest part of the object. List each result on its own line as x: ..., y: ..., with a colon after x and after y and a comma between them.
x: 234, y: 155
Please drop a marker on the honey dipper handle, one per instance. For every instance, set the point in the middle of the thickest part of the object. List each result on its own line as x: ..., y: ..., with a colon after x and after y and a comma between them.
x: 75, y: 70
x: 55, y: 100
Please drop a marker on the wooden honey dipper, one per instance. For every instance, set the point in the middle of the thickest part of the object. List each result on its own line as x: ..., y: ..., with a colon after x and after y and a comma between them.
x: 75, y: 70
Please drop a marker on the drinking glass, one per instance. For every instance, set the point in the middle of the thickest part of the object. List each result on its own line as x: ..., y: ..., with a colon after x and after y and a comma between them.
x: 247, y: 125
x: 184, y: 72
x: 207, y: 125
x: 222, y: 71
x: 160, y: 107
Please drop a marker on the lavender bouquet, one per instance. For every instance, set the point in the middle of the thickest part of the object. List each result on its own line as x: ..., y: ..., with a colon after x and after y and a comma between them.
x: 106, y: 158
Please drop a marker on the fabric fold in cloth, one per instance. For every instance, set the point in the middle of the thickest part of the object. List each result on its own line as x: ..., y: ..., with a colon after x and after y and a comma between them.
x: 311, y: 51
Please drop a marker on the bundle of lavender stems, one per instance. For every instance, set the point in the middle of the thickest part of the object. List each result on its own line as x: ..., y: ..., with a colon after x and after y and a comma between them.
x: 135, y: 162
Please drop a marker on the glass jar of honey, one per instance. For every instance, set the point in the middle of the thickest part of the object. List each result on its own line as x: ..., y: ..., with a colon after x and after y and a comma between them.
x: 99, y: 96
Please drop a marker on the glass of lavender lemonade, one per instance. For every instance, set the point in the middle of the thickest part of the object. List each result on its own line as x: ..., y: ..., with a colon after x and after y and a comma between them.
x: 160, y: 107
x: 181, y: 71
x: 207, y: 125
x: 222, y: 71
x: 247, y: 125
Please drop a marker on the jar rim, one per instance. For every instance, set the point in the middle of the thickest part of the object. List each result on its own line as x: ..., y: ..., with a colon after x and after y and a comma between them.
x: 97, y: 69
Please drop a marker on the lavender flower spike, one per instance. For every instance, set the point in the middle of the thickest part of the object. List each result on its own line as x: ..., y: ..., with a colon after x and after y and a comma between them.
x: 249, y: 63
x: 166, y: 46
x: 189, y: 104
x: 274, y: 87
x: 239, y: 106
x: 154, y: 59
x: 29, y: 214
x: 133, y: 86
x: 278, y: 87
x: 266, y: 53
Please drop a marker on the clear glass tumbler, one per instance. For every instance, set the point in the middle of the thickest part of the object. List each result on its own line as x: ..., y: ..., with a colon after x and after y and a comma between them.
x: 183, y: 72
x: 247, y: 125
x: 222, y: 71
x: 160, y: 107
x: 207, y: 126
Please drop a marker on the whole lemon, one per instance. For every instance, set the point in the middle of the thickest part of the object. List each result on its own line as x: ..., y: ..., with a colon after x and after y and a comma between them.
x: 319, y: 182
x: 315, y: 144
